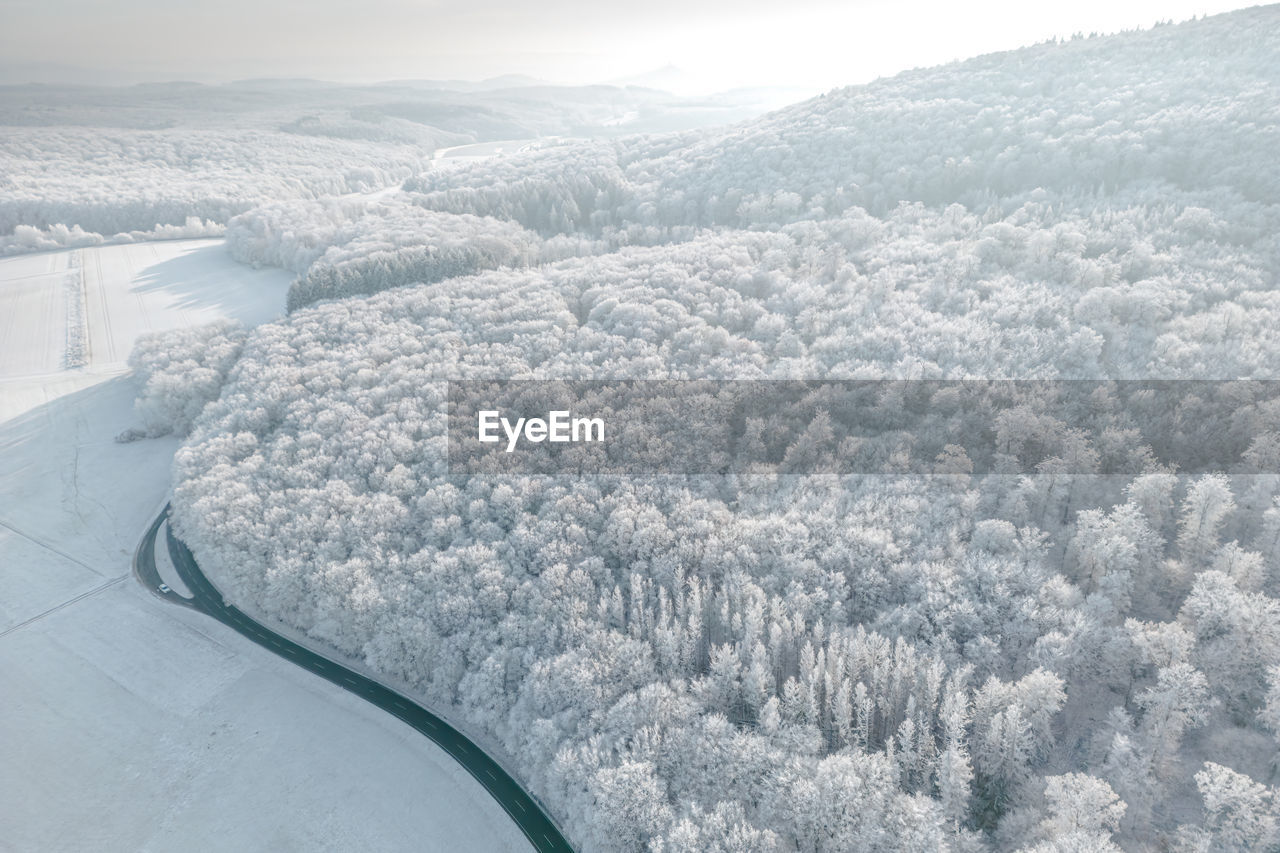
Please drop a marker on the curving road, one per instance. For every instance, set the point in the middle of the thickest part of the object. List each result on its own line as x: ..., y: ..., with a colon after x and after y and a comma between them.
x: 528, y: 815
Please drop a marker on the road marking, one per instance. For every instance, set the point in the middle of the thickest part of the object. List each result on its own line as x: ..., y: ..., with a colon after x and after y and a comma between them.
x: 401, y: 706
x: 520, y: 805
x: 490, y: 772
x: 349, y: 680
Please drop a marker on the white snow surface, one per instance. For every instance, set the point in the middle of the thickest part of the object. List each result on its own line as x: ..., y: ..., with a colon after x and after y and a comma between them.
x: 123, y: 291
x: 129, y: 724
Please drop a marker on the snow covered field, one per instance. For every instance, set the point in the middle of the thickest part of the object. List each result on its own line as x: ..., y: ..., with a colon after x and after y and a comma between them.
x: 128, y: 724
x: 122, y: 291
x: 32, y: 313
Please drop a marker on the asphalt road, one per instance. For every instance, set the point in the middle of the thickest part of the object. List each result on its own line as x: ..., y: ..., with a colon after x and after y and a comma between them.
x: 528, y: 815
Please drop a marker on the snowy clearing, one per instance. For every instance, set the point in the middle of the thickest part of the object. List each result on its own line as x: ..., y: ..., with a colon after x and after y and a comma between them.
x: 123, y: 291
x: 476, y: 151
x: 133, y: 289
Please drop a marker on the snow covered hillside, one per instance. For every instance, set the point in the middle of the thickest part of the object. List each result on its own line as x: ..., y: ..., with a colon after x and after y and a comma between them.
x: 83, y: 165
x: 104, y: 182
x: 1040, y: 662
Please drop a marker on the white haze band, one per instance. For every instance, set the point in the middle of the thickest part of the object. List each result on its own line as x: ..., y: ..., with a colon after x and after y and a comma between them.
x: 557, y: 427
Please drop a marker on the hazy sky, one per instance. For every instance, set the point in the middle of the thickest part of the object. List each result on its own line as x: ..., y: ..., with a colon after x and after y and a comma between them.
x: 716, y: 43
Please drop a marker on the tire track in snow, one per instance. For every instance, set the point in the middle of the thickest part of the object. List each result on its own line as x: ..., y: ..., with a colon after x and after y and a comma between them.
x: 75, y: 353
x: 48, y: 547
x: 70, y: 601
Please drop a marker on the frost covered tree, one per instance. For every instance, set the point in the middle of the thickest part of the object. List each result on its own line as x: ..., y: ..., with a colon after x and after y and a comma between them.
x: 181, y: 371
x: 1082, y: 808
x: 1239, y: 813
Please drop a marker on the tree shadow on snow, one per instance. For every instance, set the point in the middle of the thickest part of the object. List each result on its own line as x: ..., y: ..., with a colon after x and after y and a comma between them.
x: 207, y: 278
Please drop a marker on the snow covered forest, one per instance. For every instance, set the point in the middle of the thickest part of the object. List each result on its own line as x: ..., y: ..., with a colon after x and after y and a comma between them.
x: 1085, y: 656
x: 82, y: 165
